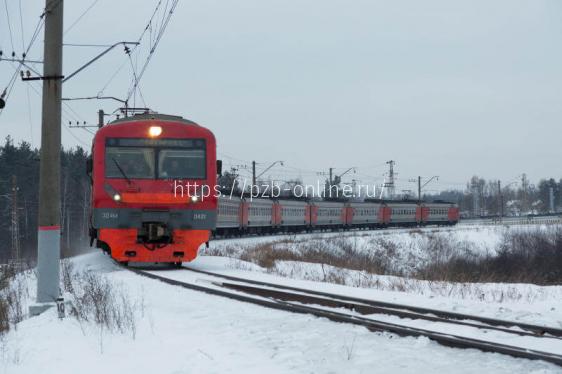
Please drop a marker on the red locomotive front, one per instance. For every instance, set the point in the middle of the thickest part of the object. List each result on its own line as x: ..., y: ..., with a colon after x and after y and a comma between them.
x: 153, y: 180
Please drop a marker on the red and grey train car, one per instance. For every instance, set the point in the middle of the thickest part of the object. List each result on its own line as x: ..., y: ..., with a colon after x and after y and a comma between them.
x: 145, y: 203
x: 272, y: 215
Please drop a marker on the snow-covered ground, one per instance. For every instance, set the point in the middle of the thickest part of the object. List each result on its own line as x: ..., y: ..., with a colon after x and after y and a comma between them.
x: 521, y: 302
x: 402, y: 250
x: 545, y: 344
x: 182, y: 331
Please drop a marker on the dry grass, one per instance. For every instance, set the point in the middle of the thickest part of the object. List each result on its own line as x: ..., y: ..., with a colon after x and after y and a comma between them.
x: 95, y: 299
x: 4, y: 284
x: 447, y: 265
x: 267, y: 254
x: 13, y: 293
x: 524, y: 257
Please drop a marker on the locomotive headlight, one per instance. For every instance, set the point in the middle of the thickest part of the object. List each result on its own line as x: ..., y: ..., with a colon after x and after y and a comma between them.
x: 117, y: 197
x: 154, y: 131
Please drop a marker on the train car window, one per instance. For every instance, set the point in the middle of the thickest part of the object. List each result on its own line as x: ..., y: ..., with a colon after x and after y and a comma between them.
x: 185, y: 163
x: 127, y: 162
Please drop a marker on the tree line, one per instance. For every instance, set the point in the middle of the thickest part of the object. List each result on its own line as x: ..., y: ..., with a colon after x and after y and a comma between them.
x: 19, y: 168
x: 483, y: 197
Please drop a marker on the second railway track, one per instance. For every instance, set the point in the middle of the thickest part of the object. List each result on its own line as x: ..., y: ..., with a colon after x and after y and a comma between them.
x: 401, y: 310
x: 360, y: 312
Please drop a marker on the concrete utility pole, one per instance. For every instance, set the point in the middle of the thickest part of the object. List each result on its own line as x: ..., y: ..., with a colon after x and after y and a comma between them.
x: 524, y: 187
x: 101, y: 119
x: 501, y: 198
x: 475, y: 200
x: 390, y: 184
x: 253, y: 175
x: 15, y: 223
x: 48, y: 251
x: 420, y: 186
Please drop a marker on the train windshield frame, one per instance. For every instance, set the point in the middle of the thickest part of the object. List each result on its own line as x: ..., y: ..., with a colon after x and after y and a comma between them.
x: 142, y: 158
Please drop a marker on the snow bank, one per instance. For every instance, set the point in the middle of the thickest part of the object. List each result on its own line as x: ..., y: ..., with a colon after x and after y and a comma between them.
x: 188, y: 332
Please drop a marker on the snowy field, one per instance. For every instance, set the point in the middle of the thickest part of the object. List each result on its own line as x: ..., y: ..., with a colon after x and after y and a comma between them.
x: 403, y: 249
x: 182, y: 331
x: 398, y: 252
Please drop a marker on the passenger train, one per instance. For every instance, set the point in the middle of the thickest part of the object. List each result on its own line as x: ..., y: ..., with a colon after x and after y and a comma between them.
x: 138, y: 214
x: 254, y: 216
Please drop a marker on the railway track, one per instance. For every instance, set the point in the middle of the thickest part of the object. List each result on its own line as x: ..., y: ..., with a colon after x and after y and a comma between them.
x: 366, y: 306
x: 363, y: 312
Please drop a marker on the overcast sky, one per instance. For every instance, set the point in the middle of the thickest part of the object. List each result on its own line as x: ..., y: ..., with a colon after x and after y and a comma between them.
x: 448, y: 88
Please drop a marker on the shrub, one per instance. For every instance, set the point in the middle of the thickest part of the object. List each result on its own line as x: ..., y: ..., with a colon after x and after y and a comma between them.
x: 13, y: 292
x: 95, y: 299
x: 318, y: 252
x: 523, y: 257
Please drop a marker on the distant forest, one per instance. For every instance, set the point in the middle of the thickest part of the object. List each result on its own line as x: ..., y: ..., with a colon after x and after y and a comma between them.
x: 19, y: 164
x: 519, y: 197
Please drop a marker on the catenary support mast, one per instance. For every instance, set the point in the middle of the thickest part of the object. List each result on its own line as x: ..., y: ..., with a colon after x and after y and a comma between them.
x: 49, y: 183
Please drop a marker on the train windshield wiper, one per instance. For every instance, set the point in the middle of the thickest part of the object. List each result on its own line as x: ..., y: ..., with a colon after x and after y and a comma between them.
x: 121, y: 170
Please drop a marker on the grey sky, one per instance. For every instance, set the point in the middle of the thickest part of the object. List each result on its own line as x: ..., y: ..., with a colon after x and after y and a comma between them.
x: 448, y: 88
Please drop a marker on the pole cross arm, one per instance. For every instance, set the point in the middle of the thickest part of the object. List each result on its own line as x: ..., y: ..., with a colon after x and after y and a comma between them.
x: 269, y: 167
x: 97, y: 58
x: 95, y: 98
x: 430, y: 179
x: 347, y: 171
x: 54, y: 77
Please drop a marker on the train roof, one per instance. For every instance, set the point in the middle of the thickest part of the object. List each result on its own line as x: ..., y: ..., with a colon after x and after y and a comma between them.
x: 383, y: 201
x: 408, y: 201
x: 152, y: 116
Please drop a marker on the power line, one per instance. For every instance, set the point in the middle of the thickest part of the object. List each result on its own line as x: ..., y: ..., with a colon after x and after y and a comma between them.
x: 232, y: 158
x: 8, y: 90
x: 67, y: 118
x: 112, y: 77
x: 132, y: 89
x: 149, y: 24
x: 159, y: 35
x: 21, y: 27
x: 29, y: 117
x: 87, y: 45
x: 152, y: 44
x: 136, y: 81
x: 81, y: 16
x: 9, y: 25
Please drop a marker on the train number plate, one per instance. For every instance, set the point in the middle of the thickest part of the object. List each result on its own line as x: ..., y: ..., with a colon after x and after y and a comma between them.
x: 109, y: 215
x: 199, y: 216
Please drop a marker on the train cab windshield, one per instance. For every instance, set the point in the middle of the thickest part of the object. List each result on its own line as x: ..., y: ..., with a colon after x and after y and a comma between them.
x: 133, y: 162
x: 155, y: 159
x: 188, y: 164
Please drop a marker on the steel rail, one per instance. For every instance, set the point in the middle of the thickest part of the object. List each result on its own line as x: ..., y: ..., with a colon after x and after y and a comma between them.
x: 371, y: 324
x: 397, y: 309
x: 335, y: 302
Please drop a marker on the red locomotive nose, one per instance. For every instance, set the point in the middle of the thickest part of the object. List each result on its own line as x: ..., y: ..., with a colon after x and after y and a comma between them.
x: 136, y: 215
